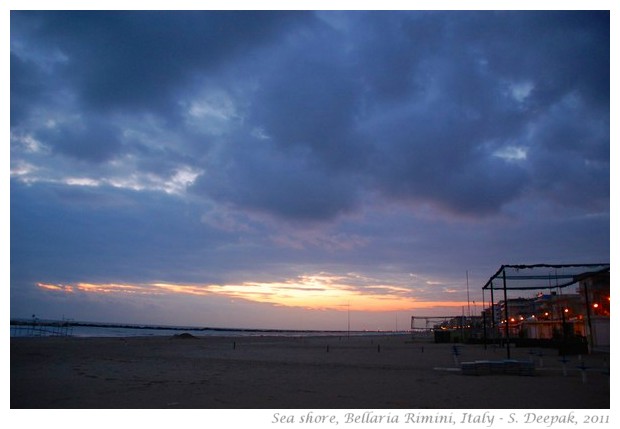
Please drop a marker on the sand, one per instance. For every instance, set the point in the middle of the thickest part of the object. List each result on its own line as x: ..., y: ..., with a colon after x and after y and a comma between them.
x: 388, y: 372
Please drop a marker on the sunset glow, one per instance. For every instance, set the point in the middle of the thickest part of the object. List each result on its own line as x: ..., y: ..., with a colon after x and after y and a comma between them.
x: 321, y: 292
x: 276, y: 169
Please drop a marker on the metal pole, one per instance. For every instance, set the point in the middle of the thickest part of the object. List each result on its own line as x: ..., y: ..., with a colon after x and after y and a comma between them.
x: 492, y: 314
x: 463, y: 324
x: 484, y: 327
x: 588, y: 316
x: 507, y: 318
x: 564, y: 328
x: 348, y: 319
x: 467, y: 280
x: 484, y: 322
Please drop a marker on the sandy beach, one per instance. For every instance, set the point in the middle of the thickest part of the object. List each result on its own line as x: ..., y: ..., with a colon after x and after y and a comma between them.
x: 377, y: 372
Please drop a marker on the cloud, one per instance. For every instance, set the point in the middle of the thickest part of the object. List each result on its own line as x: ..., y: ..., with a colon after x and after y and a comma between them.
x: 230, y: 147
x: 294, y: 187
x: 137, y: 59
x: 299, y: 114
x: 317, y: 292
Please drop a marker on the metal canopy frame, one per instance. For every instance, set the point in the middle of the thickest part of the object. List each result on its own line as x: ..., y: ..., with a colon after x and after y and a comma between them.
x: 539, y: 277
x: 569, y: 274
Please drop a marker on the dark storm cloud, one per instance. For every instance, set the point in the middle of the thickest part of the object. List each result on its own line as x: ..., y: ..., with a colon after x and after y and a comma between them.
x: 95, y: 141
x: 387, y: 151
x: 291, y: 185
x: 27, y: 85
x: 422, y: 107
x: 565, y: 51
x: 96, y: 68
x: 73, y: 233
x: 135, y: 60
x: 466, y: 106
x: 423, y: 110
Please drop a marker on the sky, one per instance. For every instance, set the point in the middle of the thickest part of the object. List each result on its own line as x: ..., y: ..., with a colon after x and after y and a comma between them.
x: 300, y: 169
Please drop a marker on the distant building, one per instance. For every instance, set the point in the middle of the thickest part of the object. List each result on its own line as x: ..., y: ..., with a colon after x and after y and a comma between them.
x: 557, y: 316
x: 571, y: 321
x: 595, y: 292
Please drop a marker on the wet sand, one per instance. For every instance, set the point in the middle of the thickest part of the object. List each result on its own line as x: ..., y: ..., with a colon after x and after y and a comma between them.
x: 388, y: 372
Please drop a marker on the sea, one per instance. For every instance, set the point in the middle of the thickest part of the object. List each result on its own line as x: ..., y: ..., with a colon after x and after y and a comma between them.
x: 70, y: 328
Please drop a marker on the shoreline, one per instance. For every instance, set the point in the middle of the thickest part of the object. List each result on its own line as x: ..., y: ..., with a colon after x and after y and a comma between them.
x: 46, y: 328
x: 286, y: 372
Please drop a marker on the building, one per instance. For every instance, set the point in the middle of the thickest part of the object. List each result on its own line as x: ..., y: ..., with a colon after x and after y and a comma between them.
x: 595, y: 292
x: 553, y: 313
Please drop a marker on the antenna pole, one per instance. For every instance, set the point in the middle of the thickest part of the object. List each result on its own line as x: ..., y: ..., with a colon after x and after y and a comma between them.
x: 348, y: 319
x: 468, y: 307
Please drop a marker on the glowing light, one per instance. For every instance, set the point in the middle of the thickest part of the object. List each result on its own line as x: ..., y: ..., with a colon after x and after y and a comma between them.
x: 315, y: 292
x: 111, y: 288
x: 56, y: 288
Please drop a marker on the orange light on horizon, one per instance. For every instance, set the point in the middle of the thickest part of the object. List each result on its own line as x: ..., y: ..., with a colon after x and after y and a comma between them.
x: 109, y: 288
x: 313, y: 292
x: 58, y: 288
